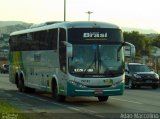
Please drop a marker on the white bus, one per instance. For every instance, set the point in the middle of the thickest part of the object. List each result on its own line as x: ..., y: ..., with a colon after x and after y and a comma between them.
x: 69, y: 59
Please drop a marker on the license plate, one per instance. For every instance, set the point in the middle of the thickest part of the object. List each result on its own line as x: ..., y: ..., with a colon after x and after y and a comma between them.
x: 98, y: 92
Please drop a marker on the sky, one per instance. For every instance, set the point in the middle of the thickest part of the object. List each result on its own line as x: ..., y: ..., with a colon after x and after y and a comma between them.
x: 144, y: 14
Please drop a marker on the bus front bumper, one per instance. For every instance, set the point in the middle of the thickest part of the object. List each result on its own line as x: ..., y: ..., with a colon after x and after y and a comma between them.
x: 73, y: 90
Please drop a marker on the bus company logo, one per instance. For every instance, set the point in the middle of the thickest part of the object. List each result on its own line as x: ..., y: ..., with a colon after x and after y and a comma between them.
x: 95, y: 35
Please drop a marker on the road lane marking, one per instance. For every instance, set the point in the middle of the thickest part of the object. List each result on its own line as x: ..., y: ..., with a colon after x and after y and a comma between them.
x: 74, y: 108
x: 130, y: 101
x: 42, y: 100
x: 86, y: 111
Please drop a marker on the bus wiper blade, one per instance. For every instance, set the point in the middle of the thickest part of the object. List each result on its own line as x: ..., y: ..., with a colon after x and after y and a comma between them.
x: 94, y: 61
x: 88, y: 68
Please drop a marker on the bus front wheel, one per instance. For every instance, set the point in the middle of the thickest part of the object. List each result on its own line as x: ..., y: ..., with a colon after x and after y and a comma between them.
x: 103, y: 98
x: 55, y: 95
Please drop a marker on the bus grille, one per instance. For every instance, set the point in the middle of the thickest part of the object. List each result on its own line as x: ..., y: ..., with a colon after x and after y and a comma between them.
x: 106, y: 86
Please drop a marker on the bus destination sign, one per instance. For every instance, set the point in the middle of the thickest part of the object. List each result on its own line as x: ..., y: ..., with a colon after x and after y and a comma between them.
x: 95, y: 36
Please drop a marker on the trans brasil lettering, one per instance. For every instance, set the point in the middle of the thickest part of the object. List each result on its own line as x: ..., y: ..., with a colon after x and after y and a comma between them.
x: 95, y: 35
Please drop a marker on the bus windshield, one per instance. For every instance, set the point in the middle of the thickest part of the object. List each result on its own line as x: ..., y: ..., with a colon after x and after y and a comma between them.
x: 96, y: 60
x: 95, y: 52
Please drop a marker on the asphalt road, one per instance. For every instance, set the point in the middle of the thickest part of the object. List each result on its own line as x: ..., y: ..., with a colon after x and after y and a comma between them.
x: 134, y: 104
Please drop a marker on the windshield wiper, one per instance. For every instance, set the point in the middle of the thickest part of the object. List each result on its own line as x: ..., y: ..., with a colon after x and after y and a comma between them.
x: 94, y: 61
x: 99, y: 60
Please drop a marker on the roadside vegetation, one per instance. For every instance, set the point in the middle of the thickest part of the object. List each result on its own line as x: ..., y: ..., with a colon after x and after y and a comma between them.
x: 7, y: 111
x: 145, y: 46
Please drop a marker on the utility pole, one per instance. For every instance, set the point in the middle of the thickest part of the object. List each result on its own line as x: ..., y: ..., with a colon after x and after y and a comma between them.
x: 89, y: 13
x: 64, y: 10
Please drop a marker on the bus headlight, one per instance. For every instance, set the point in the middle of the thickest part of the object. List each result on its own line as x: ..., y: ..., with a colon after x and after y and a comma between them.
x: 77, y: 84
x: 117, y: 83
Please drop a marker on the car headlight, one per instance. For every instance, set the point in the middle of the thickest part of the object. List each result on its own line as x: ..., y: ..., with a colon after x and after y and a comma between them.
x: 136, y: 76
x: 156, y: 76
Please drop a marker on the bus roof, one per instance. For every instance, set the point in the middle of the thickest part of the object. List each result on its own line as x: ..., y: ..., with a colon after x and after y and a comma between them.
x: 78, y: 24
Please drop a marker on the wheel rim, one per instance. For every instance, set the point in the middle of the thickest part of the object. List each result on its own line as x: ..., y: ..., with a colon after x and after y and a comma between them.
x: 130, y: 84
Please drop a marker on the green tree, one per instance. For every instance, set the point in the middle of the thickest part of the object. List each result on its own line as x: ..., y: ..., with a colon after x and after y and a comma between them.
x: 141, y: 42
x: 156, y: 41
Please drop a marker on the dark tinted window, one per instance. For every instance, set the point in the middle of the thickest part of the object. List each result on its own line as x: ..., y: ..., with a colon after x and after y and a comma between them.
x: 17, y: 42
x: 41, y: 40
x: 52, y: 38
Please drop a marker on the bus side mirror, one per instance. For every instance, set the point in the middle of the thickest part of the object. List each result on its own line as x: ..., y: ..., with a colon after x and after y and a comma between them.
x: 129, y: 49
x: 70, y: 51
x: 126, y: 70
x: 69, y: 48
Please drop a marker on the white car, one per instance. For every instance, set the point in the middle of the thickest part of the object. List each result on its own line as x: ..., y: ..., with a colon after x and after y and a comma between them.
x: 5, y: 68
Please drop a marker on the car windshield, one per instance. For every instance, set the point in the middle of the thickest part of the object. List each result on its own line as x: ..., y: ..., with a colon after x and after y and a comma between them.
x: 139, y: 68
x: 100, y: 60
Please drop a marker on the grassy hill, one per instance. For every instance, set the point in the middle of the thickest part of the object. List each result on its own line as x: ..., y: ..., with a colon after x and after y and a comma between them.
x: 6, y: 27
x: 142, y: 31
x: 10, y: 23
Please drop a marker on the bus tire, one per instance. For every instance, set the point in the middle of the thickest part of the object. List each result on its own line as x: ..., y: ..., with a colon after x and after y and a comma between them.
x: 103, y: 98
x: 55, y: 95
x: 16, y: 80
x: 21, y: 87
